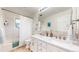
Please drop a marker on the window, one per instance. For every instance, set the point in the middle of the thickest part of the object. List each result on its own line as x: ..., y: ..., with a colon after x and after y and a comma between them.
x: 17, y: 23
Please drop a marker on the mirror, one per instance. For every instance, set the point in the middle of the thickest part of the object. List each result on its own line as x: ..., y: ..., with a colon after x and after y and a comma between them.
x: 55, y: 20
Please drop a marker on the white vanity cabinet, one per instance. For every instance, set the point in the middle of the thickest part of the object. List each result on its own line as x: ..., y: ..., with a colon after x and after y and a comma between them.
x: 38, y: 45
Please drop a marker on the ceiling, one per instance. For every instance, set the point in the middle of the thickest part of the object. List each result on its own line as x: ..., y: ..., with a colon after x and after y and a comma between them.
x: 53, y: 10
x: 31, y: 11
x: 25, y: 11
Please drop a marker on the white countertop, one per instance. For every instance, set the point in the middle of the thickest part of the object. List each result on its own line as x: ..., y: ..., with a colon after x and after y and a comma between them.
x: 60, y: 43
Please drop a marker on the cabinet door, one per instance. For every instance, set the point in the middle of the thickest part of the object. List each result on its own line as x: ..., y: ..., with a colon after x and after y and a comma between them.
x: 34, y: 45
x: 39, y: 46
x: 44, y: 46
x: 52, y: 48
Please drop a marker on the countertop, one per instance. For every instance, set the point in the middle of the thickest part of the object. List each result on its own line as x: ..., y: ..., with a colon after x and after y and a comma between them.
x: 57, y: 42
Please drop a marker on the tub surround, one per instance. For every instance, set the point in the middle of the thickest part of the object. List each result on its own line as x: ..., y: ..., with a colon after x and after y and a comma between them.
x: 67, y: 46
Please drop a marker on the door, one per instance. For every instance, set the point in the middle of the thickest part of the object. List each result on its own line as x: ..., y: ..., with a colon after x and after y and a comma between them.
x: 25, y: 29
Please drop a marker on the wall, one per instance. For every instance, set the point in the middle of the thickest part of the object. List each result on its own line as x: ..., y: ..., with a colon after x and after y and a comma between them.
x: 2, y: 31
x: 59, y: 21
x: 12, y: 33
x: 10, y: 29
x: 35, y: 28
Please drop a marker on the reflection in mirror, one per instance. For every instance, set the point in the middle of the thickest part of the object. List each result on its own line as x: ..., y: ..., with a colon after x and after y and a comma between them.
x: 59, y: 22
x: 17, y: 23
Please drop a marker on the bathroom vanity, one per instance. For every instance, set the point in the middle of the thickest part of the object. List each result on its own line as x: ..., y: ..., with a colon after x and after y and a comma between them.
x: 51, y: 44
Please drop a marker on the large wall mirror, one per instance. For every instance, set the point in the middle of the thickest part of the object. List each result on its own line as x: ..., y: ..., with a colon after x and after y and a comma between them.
x: 60, y: 19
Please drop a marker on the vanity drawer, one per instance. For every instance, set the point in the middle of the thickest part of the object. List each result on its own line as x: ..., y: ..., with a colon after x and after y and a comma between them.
x: 35, y: 49
x: 44, y: 50
x: 39, y: 50
x: 52, y: 48
x: 39, y: 47
x: 34, y: 45
x: 44, y: 45
x: 39, y: 42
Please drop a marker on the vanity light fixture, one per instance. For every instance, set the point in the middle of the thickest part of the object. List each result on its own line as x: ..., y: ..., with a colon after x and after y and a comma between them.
x: 42, y: 9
